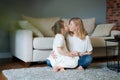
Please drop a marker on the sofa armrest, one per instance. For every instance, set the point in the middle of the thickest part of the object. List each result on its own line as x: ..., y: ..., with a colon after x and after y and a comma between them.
x: 115, y: 32
x: 100, y: 41
x: 23, y: 45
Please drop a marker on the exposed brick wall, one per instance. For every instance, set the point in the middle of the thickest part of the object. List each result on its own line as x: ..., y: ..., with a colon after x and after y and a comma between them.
x: 113, y: 12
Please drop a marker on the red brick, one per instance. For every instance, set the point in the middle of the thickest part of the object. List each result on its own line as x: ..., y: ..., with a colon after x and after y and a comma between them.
x: 113, y: 12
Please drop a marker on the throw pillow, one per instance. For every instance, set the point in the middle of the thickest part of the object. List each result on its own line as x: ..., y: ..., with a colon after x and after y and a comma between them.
x: 102, y: 30
x: 89, y: 24
x: 66, y: 20
x: 43, y: 24
x: 26, y: 25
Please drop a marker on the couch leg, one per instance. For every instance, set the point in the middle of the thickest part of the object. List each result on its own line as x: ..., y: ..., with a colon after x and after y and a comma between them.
x: 14, y: 58
x: 27, y: 64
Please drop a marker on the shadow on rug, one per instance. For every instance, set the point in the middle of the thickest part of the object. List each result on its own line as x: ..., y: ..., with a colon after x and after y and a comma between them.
x: 46, y: 73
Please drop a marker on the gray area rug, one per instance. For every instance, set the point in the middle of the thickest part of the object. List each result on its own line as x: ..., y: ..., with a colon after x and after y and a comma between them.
x: 46, y: 73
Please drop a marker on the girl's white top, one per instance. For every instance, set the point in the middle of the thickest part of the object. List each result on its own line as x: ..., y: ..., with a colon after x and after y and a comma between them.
x: 62, y: 60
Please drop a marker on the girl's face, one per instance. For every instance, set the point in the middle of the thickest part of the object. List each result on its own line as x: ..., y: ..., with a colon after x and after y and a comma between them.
x: 65, y: 29
x: 72, y: 26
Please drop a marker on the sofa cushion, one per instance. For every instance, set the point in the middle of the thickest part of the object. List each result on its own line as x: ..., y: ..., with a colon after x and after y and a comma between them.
x: 43, y: 42
x: 41, y: 55
x: 89, y: 24
x: 26, y: 25
x: 102, y: 30
x: 44, y: 24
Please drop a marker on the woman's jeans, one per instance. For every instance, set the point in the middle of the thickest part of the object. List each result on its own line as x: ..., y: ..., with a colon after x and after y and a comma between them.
x: 48, y: 63
x: 83, y: 61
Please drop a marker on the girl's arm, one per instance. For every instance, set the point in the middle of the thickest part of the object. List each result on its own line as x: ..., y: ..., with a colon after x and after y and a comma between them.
x: 66, y: 53
x: 53, y: 55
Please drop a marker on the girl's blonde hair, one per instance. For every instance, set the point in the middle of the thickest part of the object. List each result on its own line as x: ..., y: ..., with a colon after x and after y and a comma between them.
x: 81, y: 30
x: 56, y: 28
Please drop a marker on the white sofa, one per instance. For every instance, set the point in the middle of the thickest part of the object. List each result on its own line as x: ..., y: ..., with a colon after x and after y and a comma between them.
x: 33, y: 40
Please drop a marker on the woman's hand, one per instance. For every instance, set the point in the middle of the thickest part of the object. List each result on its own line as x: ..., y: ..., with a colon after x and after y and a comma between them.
x: 53, y: 55
x: 74, y: 53
x: 81, y: 53
x: 85, y: 53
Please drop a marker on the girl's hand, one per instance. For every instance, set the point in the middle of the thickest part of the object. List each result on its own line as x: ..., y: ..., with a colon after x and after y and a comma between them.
x: 53, y: 55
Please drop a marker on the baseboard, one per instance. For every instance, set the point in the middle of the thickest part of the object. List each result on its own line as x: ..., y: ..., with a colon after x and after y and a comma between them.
x: 5, y: 55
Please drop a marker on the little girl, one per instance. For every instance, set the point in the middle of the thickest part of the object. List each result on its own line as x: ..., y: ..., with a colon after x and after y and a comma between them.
x: 64, y: 59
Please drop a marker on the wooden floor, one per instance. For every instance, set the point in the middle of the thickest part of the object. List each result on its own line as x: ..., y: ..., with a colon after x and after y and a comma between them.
x: 13, y: 64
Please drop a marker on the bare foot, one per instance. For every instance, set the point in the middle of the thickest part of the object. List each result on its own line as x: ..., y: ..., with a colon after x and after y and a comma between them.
x: 62, y: 69
x: 80, y: 68
x: 55, y: 69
